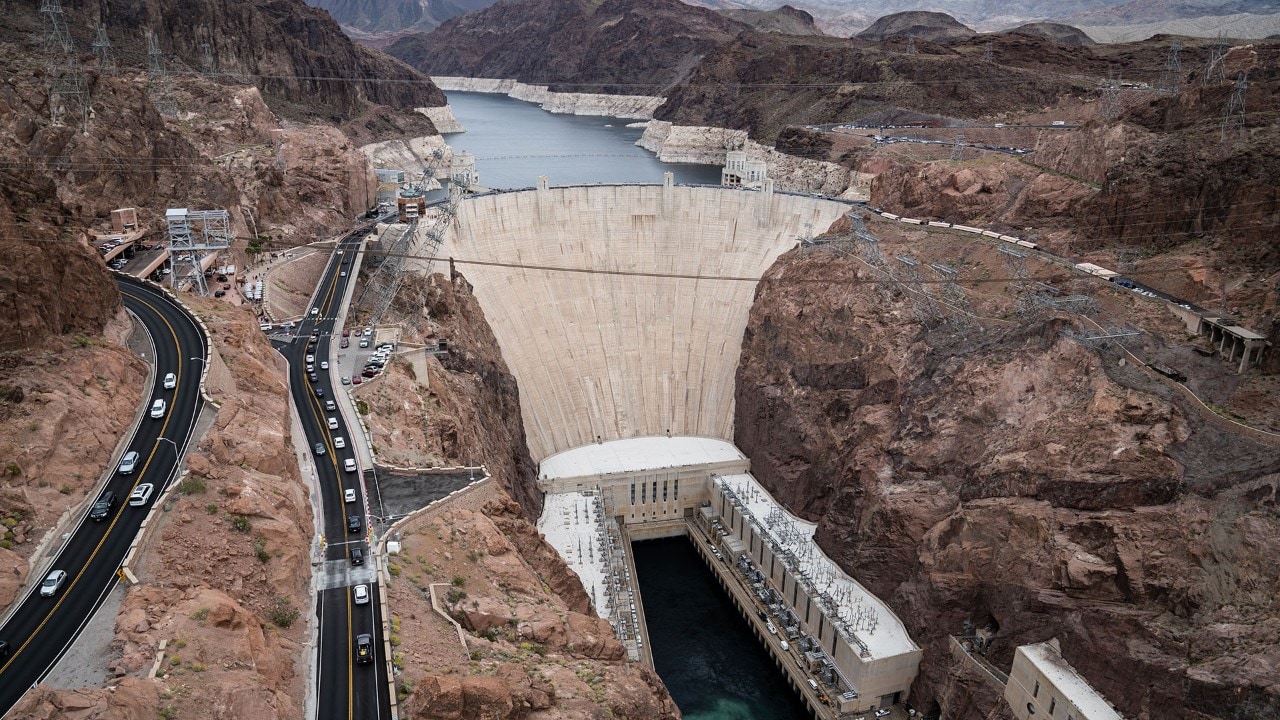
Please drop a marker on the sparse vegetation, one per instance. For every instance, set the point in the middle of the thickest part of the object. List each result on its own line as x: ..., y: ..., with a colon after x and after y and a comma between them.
x: 192, y: 484
x: 260, y: 549
x: 362, y: 407
x: 240, y: 524
x: 459, y: 581
x: 393, y: 569
x: 200, y: 615
x: 455, y: 595
x: 211, y: 508
x: 282, y: 612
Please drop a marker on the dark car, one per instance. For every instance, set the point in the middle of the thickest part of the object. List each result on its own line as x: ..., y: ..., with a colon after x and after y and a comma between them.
x: 102, y: 509
x: 319, y: 448
x: 364, y: 649
x: 370, y: 372
x: 4, y: 649
x: 354, y: 524
x: 319, y: 392
x: 357, y: 555
x: 313, y: 377
x: 219, y: 293
x: 345, y: 343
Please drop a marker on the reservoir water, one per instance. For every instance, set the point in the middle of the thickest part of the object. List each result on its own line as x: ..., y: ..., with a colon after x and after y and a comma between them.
x: 514, y: 142
x: 702, y: 648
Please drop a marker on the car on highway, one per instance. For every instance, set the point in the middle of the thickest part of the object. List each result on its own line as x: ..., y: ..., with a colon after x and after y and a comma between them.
x: 157, y: 408
x: 357, y: 555
x: 333, y: 423
x: 310, y: 367
x: 315, y: 311
x: 354, y: 524
x: 52, y: 583
x: 319, y: 392
x: 313, y: 377
x: 349, y: 465
x: 141, y: 495
x: 311, y: 358
x: 364, y: 649
x: 330, y: 405
x: 319, y: 448
x: 129, y: 462
x: 170, y: 381
x: 4, y: 648
x: 349, y: 495
x: 324, y: 364
x: 360, y: 594
x: 343, y: 273
x: 101, y: 509
x: 339, y: 441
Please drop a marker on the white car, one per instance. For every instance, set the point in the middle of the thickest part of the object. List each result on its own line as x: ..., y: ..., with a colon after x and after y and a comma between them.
x: 339, y: 441
x: 349, y: 495
x: 368, y: 331
x: 157, y: 408
x: 361, y: 594
x: 349, y: 465
x: 141, y: 495
x: 324, y: 364
x: 170, y: 381
x: 129, y: 462
x: 315, y: 311
x: 333, y: 423
x: 311, y: 359
x: 52, y: 583
x: 264, y: 327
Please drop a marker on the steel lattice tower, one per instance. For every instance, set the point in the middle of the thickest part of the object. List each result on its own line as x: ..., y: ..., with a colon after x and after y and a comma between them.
x: 67, y: 92
x: 953, y: 296
x: 208, y: 65
x: 957, y: 148
x: 911, y: 44
x: 986, y: 53
x: 193, y: 234
x: 102, y: 48
x: 1015, y: 264
x: 1215, y: 72
x: 922, y: 303
x: 1233, y: 120
x: 158, y: 76
x: 1171, y: 78
x: 57, y: 37
x: 1111, y: 98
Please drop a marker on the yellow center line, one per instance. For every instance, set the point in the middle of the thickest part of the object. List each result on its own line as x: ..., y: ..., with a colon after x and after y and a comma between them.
x: 67, y: 591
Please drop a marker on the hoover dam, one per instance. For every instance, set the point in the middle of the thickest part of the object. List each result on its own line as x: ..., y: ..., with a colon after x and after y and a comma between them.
x: 620, y: 310
x: 640, y: 335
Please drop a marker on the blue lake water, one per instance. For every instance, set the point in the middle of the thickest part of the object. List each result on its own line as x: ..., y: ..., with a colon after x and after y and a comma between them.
x: 514, y: 142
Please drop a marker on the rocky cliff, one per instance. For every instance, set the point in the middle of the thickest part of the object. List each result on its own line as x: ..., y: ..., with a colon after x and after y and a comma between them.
x: 1057, y: 32
x: 377, y: 23
x: 627, y: 47
x: 785, y: 20
x: 1017, y: 480
x: 931, y: 26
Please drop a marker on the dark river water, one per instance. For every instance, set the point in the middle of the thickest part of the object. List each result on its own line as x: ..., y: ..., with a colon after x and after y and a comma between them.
x: 514, y: 142
x: 704, y: 652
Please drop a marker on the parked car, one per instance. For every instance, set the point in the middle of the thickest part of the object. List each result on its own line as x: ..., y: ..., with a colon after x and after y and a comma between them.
x: 52, y: 583
x: 141, y: 495
x: 346, y: 380
x: 357, y: 380
x: 129, y: 462
x: 345, y: 343
x: 170, y: 381
x: 157, y: 408
x: 364, y: 342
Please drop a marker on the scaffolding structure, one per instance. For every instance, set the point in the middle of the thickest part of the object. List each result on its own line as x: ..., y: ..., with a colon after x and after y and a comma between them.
x: 193, y: 234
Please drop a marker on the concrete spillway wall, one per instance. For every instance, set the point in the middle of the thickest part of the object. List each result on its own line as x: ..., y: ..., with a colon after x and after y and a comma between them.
x: 600, y: 355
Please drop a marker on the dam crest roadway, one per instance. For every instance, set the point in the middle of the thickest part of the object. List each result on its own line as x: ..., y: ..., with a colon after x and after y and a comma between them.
x: 626, y: 373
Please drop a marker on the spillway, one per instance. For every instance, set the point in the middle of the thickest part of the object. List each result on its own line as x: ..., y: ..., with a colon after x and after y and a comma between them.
x: 642, y: 338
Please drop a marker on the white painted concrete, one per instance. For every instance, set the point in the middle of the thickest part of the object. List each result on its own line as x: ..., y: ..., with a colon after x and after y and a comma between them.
x: 636, y: 455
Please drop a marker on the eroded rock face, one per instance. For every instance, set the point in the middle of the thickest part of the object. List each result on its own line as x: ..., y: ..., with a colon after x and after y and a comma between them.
x: 1017, y: 480
x: 528, y: 652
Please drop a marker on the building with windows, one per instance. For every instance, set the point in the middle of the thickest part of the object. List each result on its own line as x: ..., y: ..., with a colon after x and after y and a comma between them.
x: 1044, y: 686
x: 741, y: 172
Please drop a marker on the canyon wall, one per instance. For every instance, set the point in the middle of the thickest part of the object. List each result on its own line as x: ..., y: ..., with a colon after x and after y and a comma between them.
x: 642, y: 337
x: 1017, y: 480
x: 634, y: 107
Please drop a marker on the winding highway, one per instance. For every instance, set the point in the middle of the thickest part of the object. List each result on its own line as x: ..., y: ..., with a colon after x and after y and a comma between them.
x: 41, y: 629
x: 347, y: 687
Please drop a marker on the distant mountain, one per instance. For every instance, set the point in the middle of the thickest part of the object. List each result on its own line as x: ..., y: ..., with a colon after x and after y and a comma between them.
x: 635, y: 47
x: 931, y: 26
x: 1065, y: 34
x: 785, y: 20
x: 374, y: 20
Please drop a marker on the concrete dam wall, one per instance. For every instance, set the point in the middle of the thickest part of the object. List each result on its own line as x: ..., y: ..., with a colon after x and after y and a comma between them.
x: 603, y: 355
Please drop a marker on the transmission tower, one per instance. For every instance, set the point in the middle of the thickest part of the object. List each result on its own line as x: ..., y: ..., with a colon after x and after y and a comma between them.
x: 193, y: 234
x: 1127, y: 260
x: 911, y: 44
x: 957, y: 149
x: 1098, y: 339
x: 102, y: 48
x: 281, y: 164
x: 922, y: 303
x: 953, y: 295
x: 67, y: 92
x: 987, y: 54
x: 1171, y: 78
x: 158, y: 76
x: 868, y: 248
x: 1233, y: 120
x: 1015, y: 265
x: 1111, y: 98
x: 1215, y: 72
x: 208, y: 65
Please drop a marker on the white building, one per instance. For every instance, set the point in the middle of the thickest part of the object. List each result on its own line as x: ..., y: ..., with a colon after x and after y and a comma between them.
x: 741, y: 172
x: 1044, y: 686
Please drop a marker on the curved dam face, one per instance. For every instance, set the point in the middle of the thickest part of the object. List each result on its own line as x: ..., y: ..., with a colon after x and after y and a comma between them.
x: 619, y: 348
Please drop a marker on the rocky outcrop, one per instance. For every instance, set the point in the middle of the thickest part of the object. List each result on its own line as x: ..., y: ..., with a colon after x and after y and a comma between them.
x: 422, y: 421
x: 296, y: 55
x: 528, y: 651
x: 784, y: 20
x: 376, y: 23
x: 680, y: 143
x: 635, y: 107
x: 612, y: 47
x: 1057, y: 32
x: 931, y: 26
x: 1014, y: 479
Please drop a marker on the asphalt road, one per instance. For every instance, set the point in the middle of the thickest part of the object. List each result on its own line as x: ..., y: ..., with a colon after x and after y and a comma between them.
x: 42, y: 628
x: 345, y: 689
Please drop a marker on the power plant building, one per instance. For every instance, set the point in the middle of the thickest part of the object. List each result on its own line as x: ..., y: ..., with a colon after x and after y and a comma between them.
x: 1044, y: 686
